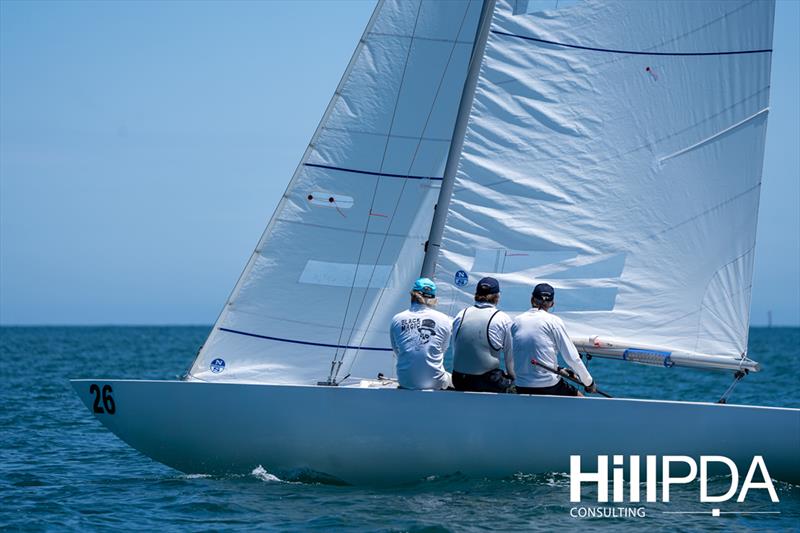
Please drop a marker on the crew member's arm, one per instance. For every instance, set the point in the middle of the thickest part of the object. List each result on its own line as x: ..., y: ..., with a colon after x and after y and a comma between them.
x: 457, y: 324
x: 392, y: 330
x: 500, y: 335
x: 570, y: 354
x: 446, y: 337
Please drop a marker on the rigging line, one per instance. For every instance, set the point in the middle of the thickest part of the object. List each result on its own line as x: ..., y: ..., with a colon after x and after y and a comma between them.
x: 400, y: 195
x: 334, y: 369
x: 631, y: 52
x: 306, y: 343
x: 371, y: 173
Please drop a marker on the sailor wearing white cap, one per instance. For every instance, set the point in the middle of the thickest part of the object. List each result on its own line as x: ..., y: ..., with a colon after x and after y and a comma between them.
x: 541, y: 335
x: 420, y: 337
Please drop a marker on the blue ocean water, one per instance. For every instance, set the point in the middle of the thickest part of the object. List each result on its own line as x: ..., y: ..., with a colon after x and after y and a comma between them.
x: 61, y: 470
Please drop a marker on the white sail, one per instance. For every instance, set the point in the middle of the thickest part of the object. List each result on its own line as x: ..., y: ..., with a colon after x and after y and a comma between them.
x: 614, y: 149
x: 347, y: 239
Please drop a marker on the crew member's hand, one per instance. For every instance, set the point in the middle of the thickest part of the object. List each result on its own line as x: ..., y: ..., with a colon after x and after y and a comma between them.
x: 571, y: 373
x: 591, y: 387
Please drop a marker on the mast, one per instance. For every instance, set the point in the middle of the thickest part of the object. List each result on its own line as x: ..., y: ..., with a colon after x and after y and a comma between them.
x: 464, y: 107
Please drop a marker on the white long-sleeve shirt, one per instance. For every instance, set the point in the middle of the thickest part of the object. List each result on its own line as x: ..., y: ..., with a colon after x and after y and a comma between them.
x: 499, y: 334
x: 420, y: 337
x: 541, y: 335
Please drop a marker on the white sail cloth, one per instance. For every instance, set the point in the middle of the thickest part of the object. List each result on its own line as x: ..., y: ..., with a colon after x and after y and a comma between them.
x: 615, y: 150
x: 342, y: 249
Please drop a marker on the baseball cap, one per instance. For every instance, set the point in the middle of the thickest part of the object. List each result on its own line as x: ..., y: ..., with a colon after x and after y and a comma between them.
x: 544, y: 292
x: 487, y: 286
x: 426, y: 286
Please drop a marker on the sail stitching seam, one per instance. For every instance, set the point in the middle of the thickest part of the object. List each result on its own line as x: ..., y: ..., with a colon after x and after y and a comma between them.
x: 392, y: 135
x: 307, y: 343
x: 372, y: 173
x: 348, y: 230
x: 631, y: 52
x: 417, y: 38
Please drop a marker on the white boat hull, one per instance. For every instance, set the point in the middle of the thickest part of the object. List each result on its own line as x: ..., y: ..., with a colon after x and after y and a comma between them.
x: 362, y: 435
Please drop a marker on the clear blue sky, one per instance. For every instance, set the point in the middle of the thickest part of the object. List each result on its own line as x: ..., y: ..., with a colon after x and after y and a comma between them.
x: 144, y: 145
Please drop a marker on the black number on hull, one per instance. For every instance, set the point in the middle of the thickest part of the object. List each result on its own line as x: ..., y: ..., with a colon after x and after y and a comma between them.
x: 108, y: 400
x: 105, y: 396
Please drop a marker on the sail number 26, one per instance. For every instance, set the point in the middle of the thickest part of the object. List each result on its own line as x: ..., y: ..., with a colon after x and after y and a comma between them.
x: 103, y: 394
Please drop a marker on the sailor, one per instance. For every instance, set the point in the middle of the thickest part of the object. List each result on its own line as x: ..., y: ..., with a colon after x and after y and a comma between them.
x: 541, y: 335
x: 482, y: 332
x: 420, y: 337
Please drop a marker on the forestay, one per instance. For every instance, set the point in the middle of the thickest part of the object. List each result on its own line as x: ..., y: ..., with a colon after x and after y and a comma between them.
x: 614, y: 149
x: 346, y: 241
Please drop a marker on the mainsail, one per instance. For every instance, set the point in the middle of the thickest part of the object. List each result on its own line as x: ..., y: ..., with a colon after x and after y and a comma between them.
x: 615, y: 149
x: 347, y: 239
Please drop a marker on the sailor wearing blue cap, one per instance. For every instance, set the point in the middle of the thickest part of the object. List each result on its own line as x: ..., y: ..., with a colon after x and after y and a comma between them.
x: 482, y: 332
x: 420, y: 337
x: 541, y: 335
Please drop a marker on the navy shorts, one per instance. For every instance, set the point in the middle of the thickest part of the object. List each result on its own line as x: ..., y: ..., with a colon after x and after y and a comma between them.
x: 492, y: 381
x: 562, y: 388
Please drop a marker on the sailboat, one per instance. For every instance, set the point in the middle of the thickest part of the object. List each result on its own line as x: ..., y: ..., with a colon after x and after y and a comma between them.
x: 613, y: 149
